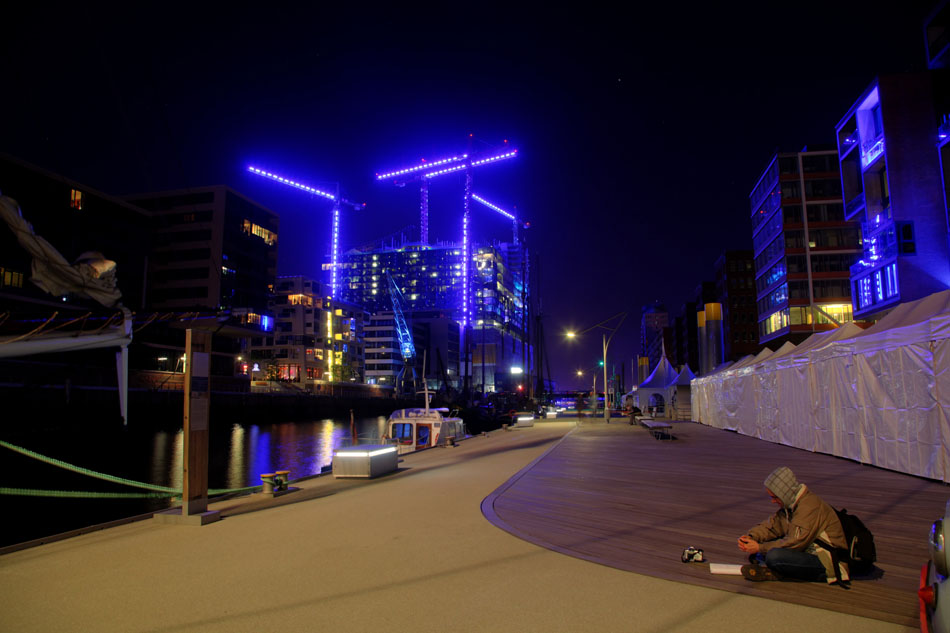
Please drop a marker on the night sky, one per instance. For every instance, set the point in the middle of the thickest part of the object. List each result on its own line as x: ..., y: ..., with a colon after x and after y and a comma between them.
x: 640, y: 131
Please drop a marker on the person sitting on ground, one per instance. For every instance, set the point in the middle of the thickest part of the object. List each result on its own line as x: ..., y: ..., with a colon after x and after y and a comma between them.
x: 787, y: 540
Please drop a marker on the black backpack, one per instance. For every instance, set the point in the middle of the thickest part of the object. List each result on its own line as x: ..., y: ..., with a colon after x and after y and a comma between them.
x: 860, y: 554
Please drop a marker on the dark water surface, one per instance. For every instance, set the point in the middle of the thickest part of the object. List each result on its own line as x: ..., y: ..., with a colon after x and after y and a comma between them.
x: 239, y: 453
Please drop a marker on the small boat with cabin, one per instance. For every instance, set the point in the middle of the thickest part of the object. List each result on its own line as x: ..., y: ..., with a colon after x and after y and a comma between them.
x: 418, y: 428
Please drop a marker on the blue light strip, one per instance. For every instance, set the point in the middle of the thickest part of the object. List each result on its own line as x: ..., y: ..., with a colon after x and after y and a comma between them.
x: 291, y: 183
x: 335, y: 253
x: 424, y: 211
x: 474, y: 163
x: 465, y: 254
x: 491, y: 206
x: 417, y: 168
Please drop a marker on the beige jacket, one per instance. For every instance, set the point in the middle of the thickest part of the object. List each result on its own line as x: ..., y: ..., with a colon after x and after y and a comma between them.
x: 797, y: 527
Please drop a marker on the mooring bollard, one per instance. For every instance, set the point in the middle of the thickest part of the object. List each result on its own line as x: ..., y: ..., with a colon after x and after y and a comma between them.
x: 283, y: 478
x: 268, y: 479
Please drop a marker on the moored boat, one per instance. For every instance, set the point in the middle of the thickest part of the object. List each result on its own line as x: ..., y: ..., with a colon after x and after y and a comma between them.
x: 417, y: 428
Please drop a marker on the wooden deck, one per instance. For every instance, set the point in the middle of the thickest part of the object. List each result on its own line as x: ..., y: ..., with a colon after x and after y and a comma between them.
x: 613, y: 495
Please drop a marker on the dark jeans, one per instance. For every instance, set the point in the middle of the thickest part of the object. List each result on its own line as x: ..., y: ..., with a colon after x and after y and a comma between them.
x: 796, y: 565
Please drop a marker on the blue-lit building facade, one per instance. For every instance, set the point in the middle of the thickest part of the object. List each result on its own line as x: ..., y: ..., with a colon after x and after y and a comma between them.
x: 803, y: 247
x: 430, y: 278
x: 893, y: 181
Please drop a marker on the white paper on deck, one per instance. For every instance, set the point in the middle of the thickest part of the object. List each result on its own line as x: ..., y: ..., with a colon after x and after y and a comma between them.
x: 720, y: 568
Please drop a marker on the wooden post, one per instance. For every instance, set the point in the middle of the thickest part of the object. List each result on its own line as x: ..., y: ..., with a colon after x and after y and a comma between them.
x: 194, y: 498
x: 194, y: 480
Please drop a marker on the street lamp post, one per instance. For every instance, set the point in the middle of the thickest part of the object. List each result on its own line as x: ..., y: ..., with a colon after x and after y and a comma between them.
x: 606, y: 341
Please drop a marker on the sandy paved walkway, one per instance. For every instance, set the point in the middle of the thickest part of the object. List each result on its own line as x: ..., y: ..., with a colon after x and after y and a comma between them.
x: 410, y: 552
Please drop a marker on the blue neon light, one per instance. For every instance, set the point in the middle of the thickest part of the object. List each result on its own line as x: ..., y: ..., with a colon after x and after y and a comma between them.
x: 492, y: 206
x: 267, y: 323
x: 873, y: 151
x: 335, y: 253
x: 474, y: 163
x: 417, y: 168
x: 291, y: 183
x: 465, y: 253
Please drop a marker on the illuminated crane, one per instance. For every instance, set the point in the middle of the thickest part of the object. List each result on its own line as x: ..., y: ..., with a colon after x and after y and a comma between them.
x: 406, y: 347
x: 335, y: 228
x: 428, y: 170
x: 510, y: 216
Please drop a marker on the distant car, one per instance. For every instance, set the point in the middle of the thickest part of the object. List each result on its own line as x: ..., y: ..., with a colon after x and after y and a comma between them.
x: 934, y: 592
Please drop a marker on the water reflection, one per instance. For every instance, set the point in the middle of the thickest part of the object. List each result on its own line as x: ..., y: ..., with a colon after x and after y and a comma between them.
x: 236, y: 467
x: 238, y: 455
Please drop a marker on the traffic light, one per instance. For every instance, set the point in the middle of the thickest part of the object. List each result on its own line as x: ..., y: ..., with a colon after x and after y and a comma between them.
x: 600, y: 363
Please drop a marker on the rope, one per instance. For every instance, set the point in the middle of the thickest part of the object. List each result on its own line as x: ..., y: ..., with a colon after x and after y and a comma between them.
x: 81, y: 494
x: 32, y: 332
x: 86, y: 471
x: 160, y: 491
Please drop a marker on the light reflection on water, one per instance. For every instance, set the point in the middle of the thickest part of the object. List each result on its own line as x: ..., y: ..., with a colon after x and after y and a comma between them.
x: 239, y: 457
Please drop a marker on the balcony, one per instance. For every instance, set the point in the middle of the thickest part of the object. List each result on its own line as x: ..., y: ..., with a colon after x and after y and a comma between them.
x: 880, y: 245
x: 871, y: 150
x: 854, y: 206
x: 849, y: 142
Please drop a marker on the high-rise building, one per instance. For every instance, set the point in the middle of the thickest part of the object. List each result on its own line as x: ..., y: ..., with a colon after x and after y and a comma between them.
x: 429, y: 279
x: 890, y: 154
x: 296, y: 348
x: 937, y: 36
x: 314, y: 338
x: 735, y: 292
x: 804, y: 247
x: 435, y: 336
x: 213, y: 249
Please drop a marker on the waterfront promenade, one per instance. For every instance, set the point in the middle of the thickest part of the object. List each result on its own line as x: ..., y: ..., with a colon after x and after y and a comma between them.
x: 413, y: 551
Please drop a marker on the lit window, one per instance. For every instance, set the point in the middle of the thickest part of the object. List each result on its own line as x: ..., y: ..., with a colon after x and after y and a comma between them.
x: 75, y: 199
x: 11, y: 278
x: 269, y: 237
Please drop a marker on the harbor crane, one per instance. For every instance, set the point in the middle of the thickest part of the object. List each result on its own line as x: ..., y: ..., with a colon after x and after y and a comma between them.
x: 406, y: 379
x: 428, y: 170
x: 338, y: 202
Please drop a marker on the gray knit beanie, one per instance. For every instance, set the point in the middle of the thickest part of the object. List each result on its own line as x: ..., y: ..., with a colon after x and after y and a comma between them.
x: 783, y: 485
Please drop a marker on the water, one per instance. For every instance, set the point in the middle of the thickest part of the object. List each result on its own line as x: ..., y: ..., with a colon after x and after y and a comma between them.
x: 238, y: 454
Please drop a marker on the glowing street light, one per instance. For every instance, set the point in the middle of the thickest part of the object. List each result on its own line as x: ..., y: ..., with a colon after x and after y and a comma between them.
x: 606, y: 339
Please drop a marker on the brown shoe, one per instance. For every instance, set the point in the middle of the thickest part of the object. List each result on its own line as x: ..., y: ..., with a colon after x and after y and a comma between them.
x: 758, y: 573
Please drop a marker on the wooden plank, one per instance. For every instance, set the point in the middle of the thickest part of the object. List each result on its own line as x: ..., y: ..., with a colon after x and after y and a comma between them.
x: 612, y: 495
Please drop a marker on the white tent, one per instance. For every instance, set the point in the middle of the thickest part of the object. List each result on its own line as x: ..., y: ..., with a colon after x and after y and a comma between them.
x: 680, y: 397
x: 879, y: 396
x: 654, y: 392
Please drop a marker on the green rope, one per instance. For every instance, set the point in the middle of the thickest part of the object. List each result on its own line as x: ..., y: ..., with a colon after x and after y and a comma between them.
x: 81, y: 494
x: 86, y: 471
x: 163, y: 490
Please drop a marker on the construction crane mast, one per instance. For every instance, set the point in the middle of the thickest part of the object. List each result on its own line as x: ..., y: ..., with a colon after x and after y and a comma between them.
x: 406, y: 379
x: 335, y: 226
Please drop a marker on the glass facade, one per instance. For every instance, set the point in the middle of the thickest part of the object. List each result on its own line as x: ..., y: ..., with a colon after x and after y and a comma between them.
x: 803, y: 249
